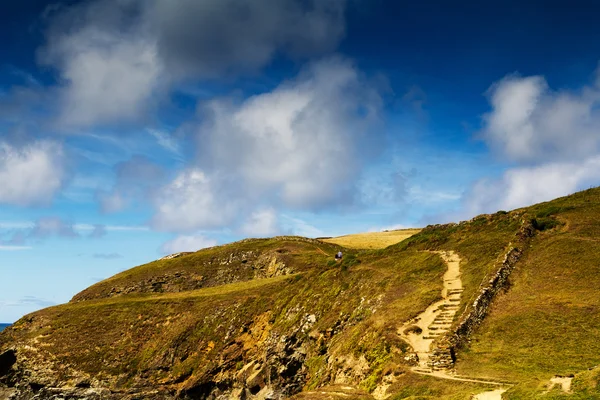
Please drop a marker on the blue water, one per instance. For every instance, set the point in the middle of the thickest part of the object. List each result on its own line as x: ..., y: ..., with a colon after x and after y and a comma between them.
x: 2, y: 326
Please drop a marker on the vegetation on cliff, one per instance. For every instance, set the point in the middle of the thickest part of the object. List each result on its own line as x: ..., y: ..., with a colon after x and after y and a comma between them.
x: 279, y: 317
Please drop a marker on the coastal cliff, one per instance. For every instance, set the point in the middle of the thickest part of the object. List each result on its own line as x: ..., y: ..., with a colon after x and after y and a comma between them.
x: 280, y: 318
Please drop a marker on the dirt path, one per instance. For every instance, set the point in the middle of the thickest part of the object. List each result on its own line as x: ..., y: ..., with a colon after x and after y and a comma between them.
x: 323, y: 251
x: 437, y: 318
x: 492, y: 395
x: 564, y: 382
x: 446, y: 375
x: 435, y: 321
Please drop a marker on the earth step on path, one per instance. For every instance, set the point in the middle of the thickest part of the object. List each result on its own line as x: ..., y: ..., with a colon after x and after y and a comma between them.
x: 437, y: 319
x: 434, y: 322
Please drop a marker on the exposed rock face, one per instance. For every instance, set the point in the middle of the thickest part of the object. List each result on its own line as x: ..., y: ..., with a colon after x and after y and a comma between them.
x: 249, y: 265
x: 175, y: 255
x: 275, y: 368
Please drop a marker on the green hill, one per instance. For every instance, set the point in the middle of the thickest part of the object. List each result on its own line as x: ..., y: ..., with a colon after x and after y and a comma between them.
x: 276, y: 318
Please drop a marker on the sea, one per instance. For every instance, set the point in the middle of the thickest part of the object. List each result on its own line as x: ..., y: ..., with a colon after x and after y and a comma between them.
x: 2, y: 326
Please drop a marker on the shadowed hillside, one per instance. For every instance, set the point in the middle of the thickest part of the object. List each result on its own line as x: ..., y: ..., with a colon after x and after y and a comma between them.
x: 279, y: 317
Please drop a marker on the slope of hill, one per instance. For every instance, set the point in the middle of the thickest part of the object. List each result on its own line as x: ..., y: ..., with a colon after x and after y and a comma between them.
x: 279, y: 317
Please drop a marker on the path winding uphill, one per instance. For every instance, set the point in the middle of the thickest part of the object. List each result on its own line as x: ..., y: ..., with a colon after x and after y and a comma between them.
x: 421, y: 331
x: 436, y: 320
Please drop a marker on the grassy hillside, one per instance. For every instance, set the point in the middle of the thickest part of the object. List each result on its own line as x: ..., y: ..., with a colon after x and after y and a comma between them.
x: 548, y: 323
x: 329, y: 321
x: 234, y: 262
x: 280, y: 314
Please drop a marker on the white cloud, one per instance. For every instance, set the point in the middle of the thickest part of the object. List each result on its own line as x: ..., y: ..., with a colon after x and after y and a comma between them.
x: 306, y: 140
x: 187, y: 243
x: 192, y: 201
x: 262, y: 223
x: 553, y: 135
x: 117, y: 57
x: 302, y: 145
x: 524, y: 186
x: 108, y: 77
x: 31, y: 174
x: 531, y: 123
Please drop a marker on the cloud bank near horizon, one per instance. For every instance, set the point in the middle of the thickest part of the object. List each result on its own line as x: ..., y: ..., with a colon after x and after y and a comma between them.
x: 551, y: 135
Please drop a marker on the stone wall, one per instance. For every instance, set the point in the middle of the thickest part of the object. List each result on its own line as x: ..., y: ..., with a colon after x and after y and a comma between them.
x: 443, y: 354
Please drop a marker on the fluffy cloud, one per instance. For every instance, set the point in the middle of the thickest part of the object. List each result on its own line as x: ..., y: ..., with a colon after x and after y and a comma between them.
x: 529, y: 122
x: 192, y: 201
x: 31, y: 174
x: 302, y: 145
x: 114, y: 56
x: 187, y: 243
x: 519, y: 187
x: 306, y: 140
x: 553, y: 135
x: 107, y: 78
x: 262, y: 223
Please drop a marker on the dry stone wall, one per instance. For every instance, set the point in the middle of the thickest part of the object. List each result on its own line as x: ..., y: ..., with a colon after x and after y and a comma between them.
x: 444, y: 352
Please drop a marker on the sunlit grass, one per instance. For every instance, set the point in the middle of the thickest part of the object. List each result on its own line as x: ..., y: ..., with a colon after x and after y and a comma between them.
x: 372, y: 240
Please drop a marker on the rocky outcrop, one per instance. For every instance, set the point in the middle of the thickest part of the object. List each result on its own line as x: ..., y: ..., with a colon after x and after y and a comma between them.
x: 175, y: 255
x: 258, y: 362
x: 233, y: 267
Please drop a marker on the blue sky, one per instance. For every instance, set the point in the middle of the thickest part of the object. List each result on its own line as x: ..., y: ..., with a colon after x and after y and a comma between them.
x: 132, y: 129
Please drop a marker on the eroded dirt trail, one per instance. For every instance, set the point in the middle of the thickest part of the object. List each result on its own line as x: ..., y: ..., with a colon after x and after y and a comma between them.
x: 492, y: 395
x: 437, y: 318
x: 435, y: 321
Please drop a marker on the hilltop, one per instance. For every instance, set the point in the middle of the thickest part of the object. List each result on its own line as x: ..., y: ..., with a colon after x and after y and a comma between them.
x: 505, y: 301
